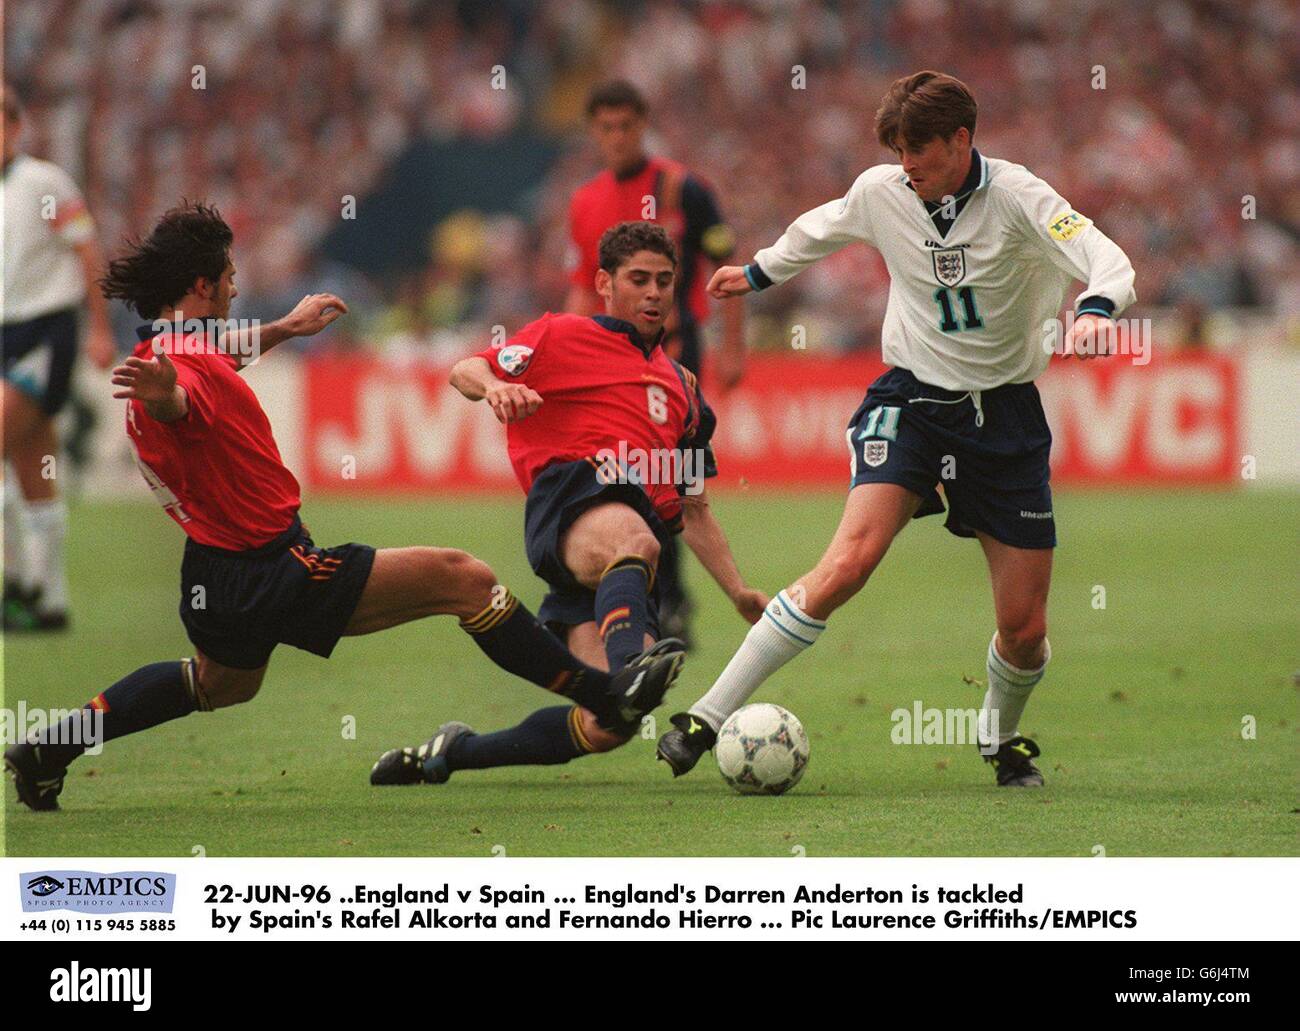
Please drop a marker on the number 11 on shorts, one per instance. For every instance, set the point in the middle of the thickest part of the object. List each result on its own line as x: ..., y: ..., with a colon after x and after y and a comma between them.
x: 882, y: 421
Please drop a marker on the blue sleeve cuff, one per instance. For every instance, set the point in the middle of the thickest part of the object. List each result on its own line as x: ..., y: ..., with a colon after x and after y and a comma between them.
x: 757, y: 278
x: 1096, y: 305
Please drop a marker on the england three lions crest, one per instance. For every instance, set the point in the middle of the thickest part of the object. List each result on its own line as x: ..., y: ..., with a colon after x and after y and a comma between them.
x: 949, y: 266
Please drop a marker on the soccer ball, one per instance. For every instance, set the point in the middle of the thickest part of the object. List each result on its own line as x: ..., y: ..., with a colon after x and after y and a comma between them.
x: 762, y: 749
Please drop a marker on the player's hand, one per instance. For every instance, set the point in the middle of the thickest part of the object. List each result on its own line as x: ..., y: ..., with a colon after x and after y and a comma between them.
x: 750, y: 603
x: 100, y: 348
x: 511, y: 402
x: 312, y: 314
x: 1091, y: 336
x: 729, y: 281
x: 151, y: 380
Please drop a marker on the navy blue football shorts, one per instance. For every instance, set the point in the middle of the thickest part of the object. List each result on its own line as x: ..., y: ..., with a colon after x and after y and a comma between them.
x: 39, y: 356
x: 238, y: 605
x: 988, y: 450
x: 560, y: 494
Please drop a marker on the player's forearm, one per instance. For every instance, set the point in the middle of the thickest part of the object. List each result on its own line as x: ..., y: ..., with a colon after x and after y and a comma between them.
x: 812, y: 236
x: 1108, y: 272
x: 91, y: 268
x: 705, y: 537
x: 177, y: 406
x: 472, y: 377
x: 249, y: 343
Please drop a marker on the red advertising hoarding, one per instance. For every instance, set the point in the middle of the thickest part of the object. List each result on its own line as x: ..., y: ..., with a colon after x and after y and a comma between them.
x: 374, y: 426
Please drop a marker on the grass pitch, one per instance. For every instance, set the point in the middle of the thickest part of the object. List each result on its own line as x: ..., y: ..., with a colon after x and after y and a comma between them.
x: 1167, y: 719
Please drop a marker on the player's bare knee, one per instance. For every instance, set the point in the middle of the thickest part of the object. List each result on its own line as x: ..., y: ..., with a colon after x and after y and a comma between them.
x: 641, y: 544
x: 458, y: 582
x: 1021, y: 644
x: 221, y: 692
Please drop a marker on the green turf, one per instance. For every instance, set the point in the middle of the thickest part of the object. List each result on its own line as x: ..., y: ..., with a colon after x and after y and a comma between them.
x: 1140, y: 717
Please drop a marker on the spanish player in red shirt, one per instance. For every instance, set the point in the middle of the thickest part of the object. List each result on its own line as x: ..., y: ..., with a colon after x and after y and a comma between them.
x: 635, y: 186
x: 252, y: 578
x: 609, y: 438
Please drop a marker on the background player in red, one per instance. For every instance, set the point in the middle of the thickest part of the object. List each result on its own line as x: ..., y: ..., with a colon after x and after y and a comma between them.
x: 252, y: 578
x: 596, y: 413
x: 635, y: 186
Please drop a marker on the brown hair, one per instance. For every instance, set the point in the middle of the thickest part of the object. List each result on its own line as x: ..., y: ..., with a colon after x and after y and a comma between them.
x: 618, y: 93
x: 921, y: 106
x: 620, y: 242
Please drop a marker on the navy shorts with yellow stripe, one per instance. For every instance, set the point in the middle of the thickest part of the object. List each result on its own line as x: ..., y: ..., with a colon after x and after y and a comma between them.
x: 560, y: 494
x: 988, y: 450
x: 238, y: 605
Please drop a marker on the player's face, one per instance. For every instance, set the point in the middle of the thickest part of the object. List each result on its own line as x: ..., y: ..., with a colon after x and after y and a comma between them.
x: 641, y: 291
x: 224, y: 293
x: 618, y: 133
x: 937, y: 169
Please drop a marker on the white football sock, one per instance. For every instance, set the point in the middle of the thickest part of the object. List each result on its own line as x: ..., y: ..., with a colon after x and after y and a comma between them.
x: 781, y: 633
x: 48, y: 522
x: 1008, y: 691
x: 15, y: 533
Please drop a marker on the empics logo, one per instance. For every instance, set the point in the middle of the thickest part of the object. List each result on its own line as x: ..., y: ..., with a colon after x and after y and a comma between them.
x: 134, y: 891
x: 75, y: 983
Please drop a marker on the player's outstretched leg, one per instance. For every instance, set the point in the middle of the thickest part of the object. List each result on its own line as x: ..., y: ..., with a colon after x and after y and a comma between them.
x: 153, y: 694
x: 873, y: 515
x: 1017, y: 657
x: 547, y: 737
x: 412, y: 583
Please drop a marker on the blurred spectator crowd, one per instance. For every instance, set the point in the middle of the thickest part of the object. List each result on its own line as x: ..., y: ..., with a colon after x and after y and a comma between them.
x: 1175, y: 125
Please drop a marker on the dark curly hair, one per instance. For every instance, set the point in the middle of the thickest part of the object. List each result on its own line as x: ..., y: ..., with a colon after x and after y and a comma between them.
x: 190, y: 242
x: 620, y: 242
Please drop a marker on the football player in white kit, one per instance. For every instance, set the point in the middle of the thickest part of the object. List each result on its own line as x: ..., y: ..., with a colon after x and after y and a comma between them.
x: 51, y: 263
x: 979, y: 252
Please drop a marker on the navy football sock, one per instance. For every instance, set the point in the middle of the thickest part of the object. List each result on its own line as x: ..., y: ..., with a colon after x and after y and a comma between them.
x: 622, y: 608
x: 546, y: 738
x: 151, y: 695
x: 512, y: 638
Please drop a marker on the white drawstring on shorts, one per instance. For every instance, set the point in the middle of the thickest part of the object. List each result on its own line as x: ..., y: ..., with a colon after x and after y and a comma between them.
x: 974, y: 396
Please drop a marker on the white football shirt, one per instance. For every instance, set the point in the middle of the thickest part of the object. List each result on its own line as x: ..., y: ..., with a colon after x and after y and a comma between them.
x: 44, y: 218
x: 967, y: 310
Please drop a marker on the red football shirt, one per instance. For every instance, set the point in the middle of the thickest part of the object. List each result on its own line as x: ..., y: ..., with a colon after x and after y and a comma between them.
x: 607, y: 200
x: 603, y: 390
x: 217, y: 471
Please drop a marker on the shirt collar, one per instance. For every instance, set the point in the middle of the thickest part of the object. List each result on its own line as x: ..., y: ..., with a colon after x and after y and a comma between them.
x: 630, y: 331
x: 632, y: 172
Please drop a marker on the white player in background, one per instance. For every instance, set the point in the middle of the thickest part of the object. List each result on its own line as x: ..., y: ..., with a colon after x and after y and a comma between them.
x: 979, y: 253
x: 51, y: 263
